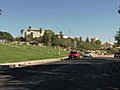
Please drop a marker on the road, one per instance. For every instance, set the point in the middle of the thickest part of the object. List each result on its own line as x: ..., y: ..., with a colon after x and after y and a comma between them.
x: 84, y: 74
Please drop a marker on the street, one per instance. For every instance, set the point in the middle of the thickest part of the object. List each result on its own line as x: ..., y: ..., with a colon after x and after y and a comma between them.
x: 84, y: 74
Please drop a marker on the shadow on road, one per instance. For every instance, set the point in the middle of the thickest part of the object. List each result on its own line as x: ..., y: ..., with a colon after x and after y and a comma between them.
x: 85, y: 74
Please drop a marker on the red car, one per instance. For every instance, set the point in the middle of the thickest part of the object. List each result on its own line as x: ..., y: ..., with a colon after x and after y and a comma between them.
x: 74, y: 55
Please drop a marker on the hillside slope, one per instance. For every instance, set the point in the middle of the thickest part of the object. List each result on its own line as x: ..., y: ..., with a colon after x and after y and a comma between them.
x: 10, y: 53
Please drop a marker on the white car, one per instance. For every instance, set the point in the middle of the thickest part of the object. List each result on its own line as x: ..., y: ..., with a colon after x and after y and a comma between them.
x: 88, y: 54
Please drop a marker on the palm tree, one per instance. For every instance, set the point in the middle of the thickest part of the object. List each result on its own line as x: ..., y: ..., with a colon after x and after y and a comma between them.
x: 21, y: 32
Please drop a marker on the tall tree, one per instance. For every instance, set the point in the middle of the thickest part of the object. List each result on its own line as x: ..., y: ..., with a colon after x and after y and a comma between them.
x: 87, y: 40
x: 40, y: 30
x: 80, y: 39
x: 46, y: 38
x: 21, y: 32
x: 117, y: 37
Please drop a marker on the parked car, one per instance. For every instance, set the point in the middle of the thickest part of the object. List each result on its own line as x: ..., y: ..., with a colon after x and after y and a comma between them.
x: 88, y: 54
x: 117, y: 55
x: 74, y: 55
x: 33, y: 43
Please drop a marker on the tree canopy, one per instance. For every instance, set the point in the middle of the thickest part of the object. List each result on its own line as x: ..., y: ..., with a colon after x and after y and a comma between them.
x: 117, y: 37
x: 6, y: 36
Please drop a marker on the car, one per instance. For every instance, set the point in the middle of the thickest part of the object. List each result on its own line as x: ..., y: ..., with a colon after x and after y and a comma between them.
x: 74, y: 55
x: 34, y: 43
x: 117, y: 55
x: 88, y: 54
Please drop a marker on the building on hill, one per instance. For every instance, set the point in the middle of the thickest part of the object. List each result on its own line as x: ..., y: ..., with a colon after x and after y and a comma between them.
x: 94, y: 39
x: 35, y: 32
x: 107, y: 45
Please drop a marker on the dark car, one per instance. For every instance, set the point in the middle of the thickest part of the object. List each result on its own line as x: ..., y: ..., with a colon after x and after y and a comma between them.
x: 117, y: 55
x: 74, y: 55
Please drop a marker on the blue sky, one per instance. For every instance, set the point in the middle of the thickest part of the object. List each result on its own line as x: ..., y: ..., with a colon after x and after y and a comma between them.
x: 86, y: 18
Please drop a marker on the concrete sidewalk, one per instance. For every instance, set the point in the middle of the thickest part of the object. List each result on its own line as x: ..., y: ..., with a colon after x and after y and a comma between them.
x: 27, y: 63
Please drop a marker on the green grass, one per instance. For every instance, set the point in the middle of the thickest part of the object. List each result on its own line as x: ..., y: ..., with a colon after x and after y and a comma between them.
x: 11, y: 53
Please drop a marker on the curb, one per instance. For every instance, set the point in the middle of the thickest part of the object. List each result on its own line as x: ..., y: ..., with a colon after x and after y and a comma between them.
x: 4, y: 66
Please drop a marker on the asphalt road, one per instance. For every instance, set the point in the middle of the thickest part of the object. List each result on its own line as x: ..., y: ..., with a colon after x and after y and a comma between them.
x: 85, y: 74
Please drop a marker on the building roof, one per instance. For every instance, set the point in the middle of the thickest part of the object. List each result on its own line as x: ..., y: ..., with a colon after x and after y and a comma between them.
x: 110, y: 43
x: 34, y: 29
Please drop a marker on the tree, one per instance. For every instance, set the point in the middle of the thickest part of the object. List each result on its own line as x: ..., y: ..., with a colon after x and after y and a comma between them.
x: 6, y: 36
x: 87, y: 40
x: 1, y: 35
x: 117, y: 37
x: 29, y: 37
x: 40, y: 30
x: 29, y: 27
x: 119, y: 10
x: 67, y: 42
x: 1, y: 12
x: 61, y: 34
x: 80, y: 39
x: 21, y: 32
x: 55, y: 41
x: 46, y: 38
x: 17, y: 38
x: 98, y: 42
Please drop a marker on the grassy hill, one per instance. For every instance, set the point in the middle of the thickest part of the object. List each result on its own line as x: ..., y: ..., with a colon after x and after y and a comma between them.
x: 11, y: 53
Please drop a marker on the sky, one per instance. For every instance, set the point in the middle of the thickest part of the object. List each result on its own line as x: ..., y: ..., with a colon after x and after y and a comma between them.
x: 85, y: 18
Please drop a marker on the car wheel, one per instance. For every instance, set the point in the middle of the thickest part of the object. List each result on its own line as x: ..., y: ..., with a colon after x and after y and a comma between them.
x: 70, y: 58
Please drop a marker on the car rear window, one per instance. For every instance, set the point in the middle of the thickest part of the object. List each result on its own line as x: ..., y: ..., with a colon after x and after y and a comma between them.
x: 87, y: 52
x: 73, y: 52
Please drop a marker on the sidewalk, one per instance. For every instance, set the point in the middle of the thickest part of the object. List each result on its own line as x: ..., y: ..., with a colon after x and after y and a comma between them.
x: 110, y: 56
x: 27, y: 63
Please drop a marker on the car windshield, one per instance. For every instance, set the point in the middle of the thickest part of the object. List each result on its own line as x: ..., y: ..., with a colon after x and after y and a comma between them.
x: 118, y: 53
x: 87, y: 52
x: 73, y: 52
